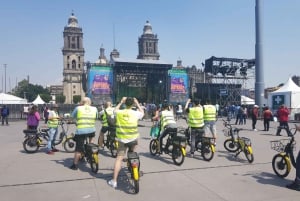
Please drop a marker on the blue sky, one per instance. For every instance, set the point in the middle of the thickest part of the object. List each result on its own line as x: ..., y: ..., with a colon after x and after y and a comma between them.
x: 192, y: 30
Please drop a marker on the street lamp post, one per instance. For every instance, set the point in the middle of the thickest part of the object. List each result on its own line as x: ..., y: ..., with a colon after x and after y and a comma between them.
x: 5, y: 65
x: 160, y: 92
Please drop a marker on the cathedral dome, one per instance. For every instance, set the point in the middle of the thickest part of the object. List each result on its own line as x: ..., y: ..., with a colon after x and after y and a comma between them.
x: 72, y: 22
x: 147, y: 28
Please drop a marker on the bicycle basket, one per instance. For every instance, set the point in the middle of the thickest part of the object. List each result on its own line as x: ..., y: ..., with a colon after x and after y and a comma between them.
x: 279, y: 145
x: 247, y: 141
x: 226, y: 132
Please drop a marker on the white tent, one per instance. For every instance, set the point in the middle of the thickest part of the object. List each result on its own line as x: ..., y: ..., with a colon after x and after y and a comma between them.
x: 288, y: 95
x: 247, y: 101
x: 10, y: 99
x: 38, y: 100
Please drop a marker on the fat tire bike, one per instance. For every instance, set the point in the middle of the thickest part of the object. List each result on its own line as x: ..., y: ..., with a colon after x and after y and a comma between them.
x: 90, y: 153
x: 236, y: 144
x: 175, y: 146
x: 34, y: 139
x: 110, y: 141
x: 283, y: 161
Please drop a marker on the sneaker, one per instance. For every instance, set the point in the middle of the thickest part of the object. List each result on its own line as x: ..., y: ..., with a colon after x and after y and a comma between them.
x: 50, y: 152
x: 55, y: 150
x: 294, y: 186
x: 74, y: 167
x: 112, y: 183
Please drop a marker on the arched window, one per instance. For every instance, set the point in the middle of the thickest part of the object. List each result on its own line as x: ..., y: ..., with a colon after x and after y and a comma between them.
x: 73, y: 64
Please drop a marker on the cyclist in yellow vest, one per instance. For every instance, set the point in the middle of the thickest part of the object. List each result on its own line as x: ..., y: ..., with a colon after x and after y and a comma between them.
x: 195, y: 121
x: 167, y: 123
x: 85, y: 116
x: 210, y: 112
x: 52, y: 124
x: 108, y: 109
x: 126, y: 131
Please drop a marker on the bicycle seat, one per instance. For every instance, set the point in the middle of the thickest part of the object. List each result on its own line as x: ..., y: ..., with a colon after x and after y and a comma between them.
x: 30, y: 131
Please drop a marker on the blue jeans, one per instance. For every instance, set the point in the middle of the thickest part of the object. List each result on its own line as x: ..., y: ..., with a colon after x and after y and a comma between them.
x: 52, y: 136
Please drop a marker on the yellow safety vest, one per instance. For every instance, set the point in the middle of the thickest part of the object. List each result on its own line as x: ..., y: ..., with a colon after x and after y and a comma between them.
x: 209, y: 113
x: 86, y: 116
x: 126, y: 125
x: 110, y: 111
x: 196, y: 117
x: 53, y: 123
x: 167, y: 117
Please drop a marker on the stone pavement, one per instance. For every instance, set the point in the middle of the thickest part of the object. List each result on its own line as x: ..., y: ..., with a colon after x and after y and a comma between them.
x: 39, y: 176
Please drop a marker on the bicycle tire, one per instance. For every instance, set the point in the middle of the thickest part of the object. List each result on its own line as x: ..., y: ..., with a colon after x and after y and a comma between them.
x: 177, y: 155
x: 281, y: 165
x: 94, y: 163
x: 249, y: 154
x: 230, y: 145
x: 69, y: 145
x: 30, y: 145
x: 136, y: 185
x: 207, y: 151
x: 153, y: 147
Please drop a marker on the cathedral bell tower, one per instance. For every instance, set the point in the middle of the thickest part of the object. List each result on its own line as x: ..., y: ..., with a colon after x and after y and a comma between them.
x: 73, y: 60
x: 148, y: 44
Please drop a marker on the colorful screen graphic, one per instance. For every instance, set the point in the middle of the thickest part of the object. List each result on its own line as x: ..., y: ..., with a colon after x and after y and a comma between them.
x: 178, y: 81
x: 100, y: 81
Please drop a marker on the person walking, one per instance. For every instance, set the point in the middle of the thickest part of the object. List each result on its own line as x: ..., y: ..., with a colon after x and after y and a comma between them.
x: 283, y: 118
x: 127, y: 132
x: 195, y: 121
x: 108, y: 110
x: 209, y: 113
x: 53, y: 128
x: 254, y: 116
x: 4, y: 114
x: 267, y: 115
x: 85, y: 116
x: 33, y: 118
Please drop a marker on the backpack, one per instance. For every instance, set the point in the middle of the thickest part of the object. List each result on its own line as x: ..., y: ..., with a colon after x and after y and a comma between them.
x: 4, y: 111
x: 111, y: 120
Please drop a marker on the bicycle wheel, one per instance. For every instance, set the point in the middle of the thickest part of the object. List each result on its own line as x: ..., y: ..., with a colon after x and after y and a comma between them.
x: 153, y: 147
x: 69, y: 145
x: 31, y: 145
x: 207, y: 151
x: 136, y: 186
x: 281, y: 165
x: 177, y: 155
x: 94, y: 163
x: 249, y: 154
x: 230, y: 145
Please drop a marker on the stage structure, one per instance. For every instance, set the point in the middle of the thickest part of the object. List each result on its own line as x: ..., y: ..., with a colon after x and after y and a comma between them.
x: 144, y: 79
x: 231, y: 77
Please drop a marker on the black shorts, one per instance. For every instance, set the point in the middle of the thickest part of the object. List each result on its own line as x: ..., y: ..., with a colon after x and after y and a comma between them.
x: 79, y: 139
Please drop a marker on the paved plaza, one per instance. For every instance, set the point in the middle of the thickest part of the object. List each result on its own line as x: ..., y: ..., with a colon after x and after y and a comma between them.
x: 39, y: 176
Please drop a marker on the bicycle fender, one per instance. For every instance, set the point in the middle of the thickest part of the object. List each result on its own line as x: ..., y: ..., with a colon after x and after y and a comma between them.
x: 213, y: 148
x: 183, y: 151
x: 289, y: 166
x: 135, y: 173
x: 95, y: 157
x: 250, y: 150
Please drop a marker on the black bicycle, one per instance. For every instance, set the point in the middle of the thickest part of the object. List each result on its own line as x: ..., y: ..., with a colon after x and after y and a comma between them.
x: 110, y: 141
x: 35, y: 138
x: 283, y: 161
x: 90, y: 153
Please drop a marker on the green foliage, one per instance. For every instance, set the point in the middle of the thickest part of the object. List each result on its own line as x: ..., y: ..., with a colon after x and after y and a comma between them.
x: 60, y: 98
x: 76, y: 99
x: 30, y: 91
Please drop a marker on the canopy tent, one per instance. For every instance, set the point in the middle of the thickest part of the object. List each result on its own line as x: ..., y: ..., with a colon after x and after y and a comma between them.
x: 11, y: 99
x: 38, y: 100
x: 247, y: 101
x: 288, y: 95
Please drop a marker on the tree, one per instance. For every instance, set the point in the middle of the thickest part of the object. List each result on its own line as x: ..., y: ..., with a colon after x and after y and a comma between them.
x: 29, y: 91
x: 60, y: 98
x: 76, y: 99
